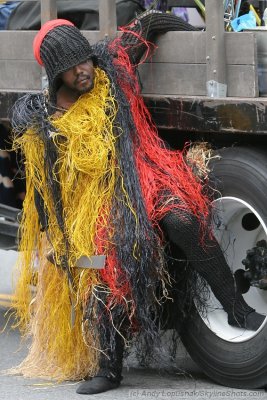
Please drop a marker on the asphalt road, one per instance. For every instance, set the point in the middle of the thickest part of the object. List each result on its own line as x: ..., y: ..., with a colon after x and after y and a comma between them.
x: 138, y: 384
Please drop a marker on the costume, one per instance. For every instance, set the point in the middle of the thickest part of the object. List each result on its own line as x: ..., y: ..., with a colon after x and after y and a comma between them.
x: 101, y: 182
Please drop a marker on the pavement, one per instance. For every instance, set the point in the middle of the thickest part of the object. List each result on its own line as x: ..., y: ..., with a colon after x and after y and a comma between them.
x: 138, y: 383
x: 186, y: 383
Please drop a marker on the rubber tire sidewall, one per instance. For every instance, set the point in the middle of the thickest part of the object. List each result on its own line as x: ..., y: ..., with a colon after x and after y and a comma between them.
x: 239, y: 172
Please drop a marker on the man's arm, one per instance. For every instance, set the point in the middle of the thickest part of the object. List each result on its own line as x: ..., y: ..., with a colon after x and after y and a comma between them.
x: 146, y: 27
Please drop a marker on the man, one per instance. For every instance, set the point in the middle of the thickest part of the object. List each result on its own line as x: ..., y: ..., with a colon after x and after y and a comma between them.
x: 103, y: 186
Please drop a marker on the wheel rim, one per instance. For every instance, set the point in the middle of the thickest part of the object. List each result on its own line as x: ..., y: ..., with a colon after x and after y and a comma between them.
x: 237, y: 227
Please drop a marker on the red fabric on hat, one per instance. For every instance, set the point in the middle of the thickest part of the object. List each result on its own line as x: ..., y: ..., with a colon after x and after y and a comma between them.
x: 47, y: 27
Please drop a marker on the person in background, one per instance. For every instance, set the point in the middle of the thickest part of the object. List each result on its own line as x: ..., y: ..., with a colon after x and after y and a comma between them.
x: 5, y: 10
x: 161, y: 5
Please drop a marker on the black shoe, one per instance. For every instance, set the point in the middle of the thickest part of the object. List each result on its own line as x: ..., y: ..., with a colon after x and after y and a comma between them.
x: 98, y: 384
x: 250, y: 321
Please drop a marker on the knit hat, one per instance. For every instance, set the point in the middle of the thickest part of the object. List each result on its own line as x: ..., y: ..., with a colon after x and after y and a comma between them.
x: 59, y: 46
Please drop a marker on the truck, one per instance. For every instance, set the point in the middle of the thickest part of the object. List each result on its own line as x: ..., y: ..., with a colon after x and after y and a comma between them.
x: 207, y: 87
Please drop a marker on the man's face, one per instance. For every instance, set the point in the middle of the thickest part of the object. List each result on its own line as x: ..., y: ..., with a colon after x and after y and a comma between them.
x: 80, y: 78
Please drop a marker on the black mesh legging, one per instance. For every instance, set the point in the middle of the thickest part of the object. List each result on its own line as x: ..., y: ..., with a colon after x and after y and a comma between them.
x: 111, y: 342
x: 182, y: 229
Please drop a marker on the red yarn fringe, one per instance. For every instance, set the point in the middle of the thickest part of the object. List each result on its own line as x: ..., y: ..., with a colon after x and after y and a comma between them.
x: 113, y: 275
x: 164, y: 175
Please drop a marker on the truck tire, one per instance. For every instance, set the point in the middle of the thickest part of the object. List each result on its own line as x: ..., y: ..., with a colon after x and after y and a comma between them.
x: 234, y: 357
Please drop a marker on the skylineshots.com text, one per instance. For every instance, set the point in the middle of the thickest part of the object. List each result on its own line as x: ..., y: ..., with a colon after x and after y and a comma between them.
x: 202, y: 393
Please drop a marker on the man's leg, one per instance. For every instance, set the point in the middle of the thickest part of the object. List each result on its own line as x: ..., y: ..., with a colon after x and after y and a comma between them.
x: 112, y: 348
x: 183, y: 229
x: 109, y: 374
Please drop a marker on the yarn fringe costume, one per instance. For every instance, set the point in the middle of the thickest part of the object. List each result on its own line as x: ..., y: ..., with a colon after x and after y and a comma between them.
x: 106, y: 180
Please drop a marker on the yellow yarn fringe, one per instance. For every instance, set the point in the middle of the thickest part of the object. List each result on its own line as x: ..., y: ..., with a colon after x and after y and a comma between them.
x: 86, y: 144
